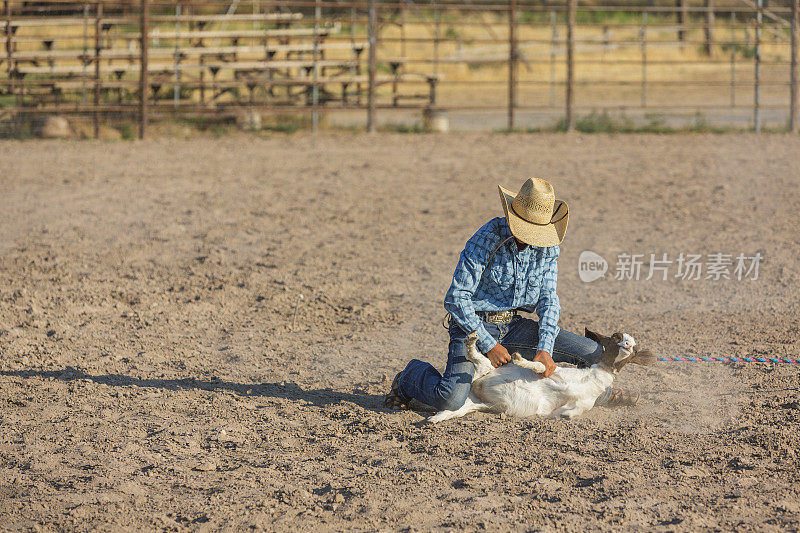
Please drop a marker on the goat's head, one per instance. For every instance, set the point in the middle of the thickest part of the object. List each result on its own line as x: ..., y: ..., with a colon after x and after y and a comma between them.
x: 620, y: 349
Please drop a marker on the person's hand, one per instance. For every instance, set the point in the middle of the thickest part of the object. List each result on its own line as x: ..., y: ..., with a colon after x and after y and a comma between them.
x: 549, y: 365
x: 498, y: 355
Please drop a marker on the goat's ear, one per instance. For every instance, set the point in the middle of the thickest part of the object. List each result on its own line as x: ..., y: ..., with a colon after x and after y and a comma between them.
x: 644, y: 357
x: 591, y: 335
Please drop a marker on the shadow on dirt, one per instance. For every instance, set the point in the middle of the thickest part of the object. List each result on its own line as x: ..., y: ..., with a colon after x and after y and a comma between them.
x: 286, y: 390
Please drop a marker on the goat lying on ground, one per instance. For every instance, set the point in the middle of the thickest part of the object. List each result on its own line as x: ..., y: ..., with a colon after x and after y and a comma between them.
x: 518, y: 389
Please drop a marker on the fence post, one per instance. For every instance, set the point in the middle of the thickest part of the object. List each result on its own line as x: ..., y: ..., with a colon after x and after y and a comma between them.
x: 793, y: 82
x: 708, y: 26
x: 373, y: 38
x: 553, y: 37
x: 512, y: 62
x: 757, y: 73
x: 733, y: 59
x: 9, y: 56
x: 437, y: 22
x: 571, y: 5
x: 682, y: 15
x: 354, y: 68
x: 643, y: 37
x: 403, y: 30
x: 143, y: 73
x: 315, y: 86
x: 85, y: 51
x: 176, y: 90
x: 98, y: 45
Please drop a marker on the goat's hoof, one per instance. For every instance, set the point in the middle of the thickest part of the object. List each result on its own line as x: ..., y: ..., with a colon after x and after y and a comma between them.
x: 516, y: 356
x: 471, y: 340
x: 538, y: 367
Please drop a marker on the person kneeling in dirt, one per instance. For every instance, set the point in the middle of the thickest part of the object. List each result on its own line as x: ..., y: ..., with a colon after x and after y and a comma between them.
x: 509, y: 265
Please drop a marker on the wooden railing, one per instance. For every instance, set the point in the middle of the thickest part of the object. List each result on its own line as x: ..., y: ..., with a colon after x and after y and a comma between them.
x: 147, y: 59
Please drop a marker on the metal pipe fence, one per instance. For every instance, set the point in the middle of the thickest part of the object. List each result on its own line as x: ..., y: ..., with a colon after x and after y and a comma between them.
x: 141, y: 61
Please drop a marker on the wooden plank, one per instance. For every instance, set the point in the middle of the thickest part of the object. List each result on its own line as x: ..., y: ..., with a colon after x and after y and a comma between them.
x: 222, y: 34
x: 193, y: 109
x: 169, y: 67
x: 380, y: 79
x: 298, y: 47
x: 346, y: 78
x: 44, y: 55
x: 256, y: 17
x: 76, y: 21
x: 403, y: 60
x: 120, y: 53
x: 258, y: 65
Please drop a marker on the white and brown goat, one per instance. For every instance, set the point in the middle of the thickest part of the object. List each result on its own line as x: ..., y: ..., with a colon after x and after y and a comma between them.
x: 518, y: 389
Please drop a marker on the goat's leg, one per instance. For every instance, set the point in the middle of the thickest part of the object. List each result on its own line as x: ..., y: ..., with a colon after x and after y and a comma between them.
x: 470, y: 406
x: 482, y: 364
x: 574, y: 409
x: 520, y: 361
x: 569, y: 410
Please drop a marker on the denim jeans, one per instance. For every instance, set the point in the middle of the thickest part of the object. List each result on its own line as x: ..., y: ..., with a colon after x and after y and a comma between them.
x: 421, y: 381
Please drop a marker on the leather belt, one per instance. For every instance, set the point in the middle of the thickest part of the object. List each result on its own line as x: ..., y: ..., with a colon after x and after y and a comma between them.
x: 497, y: 317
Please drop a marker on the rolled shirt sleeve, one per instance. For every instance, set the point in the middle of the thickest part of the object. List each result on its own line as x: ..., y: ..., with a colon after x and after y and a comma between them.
x: 548, y: 307
x: 458, y: 300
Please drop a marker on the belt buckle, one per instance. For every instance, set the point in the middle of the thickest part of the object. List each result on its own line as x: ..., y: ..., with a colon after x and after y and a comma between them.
x: 499, y: 317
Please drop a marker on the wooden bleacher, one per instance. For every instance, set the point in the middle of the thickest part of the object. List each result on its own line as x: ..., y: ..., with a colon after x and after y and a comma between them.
x: 77, y: 70
x: 278, y: 63
x: 182, y: 52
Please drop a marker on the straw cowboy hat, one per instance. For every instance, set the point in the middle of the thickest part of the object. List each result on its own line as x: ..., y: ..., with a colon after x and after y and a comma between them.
x: 534, y: 215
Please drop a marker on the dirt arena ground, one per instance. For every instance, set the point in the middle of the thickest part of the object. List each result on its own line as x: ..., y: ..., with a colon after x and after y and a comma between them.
x: 154, y: 376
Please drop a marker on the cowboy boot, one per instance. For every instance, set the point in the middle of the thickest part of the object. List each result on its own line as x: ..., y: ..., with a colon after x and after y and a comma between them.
x: 395, y: 399
x: 612, y: 397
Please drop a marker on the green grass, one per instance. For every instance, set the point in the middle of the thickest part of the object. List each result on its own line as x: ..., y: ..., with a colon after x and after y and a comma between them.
x: 743, y: 50
x: 586, y: 16
x: 168, y: 93
x: 288, y: 127
x: 383, y: 68
x: 19, y: 131
x: 127, y: 131
x: 404, y: 128
x: 288, y: 123
x: 618, y: 17
x: 217, y: 127
x: 603, y: 122
x: 219, y: 130
x: 452, y: 33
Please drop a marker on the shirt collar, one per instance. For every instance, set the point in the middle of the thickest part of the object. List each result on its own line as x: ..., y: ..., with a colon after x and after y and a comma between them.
x: 505, y: 233
x: 505, y: 230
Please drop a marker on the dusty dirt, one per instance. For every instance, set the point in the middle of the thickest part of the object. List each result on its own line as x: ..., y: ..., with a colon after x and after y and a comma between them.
x: 154, y: 375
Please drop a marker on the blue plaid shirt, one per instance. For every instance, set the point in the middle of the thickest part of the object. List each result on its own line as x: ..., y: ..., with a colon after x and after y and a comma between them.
x: 512, y: 280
